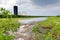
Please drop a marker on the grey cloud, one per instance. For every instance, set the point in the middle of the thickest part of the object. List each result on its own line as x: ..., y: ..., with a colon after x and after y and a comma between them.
x: 45, y: 2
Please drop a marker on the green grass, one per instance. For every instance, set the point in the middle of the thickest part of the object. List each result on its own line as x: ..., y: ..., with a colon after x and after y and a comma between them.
x: 51, y: 26
x: 11, y: 18
x: 7, y: 25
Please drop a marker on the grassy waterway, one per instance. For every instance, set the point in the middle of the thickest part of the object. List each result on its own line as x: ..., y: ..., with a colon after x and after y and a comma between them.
x: 6, y: 25
x: 48, y: 29
x: 9, y: 24
x: 24, y: 31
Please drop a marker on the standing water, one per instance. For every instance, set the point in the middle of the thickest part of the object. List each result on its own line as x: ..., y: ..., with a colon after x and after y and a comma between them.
x: 24, y: 32
x: 27, y: 21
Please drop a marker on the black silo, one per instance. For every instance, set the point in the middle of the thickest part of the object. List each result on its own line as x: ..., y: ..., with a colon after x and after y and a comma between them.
x: 15, y: 10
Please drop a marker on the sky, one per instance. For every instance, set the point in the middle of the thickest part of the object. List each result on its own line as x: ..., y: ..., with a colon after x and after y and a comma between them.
x: 33, y: 7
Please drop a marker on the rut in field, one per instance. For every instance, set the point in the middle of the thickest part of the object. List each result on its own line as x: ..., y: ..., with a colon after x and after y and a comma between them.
x: 24, y: 33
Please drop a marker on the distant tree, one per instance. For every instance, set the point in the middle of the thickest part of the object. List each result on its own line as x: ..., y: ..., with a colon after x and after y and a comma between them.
x: 4, y: 12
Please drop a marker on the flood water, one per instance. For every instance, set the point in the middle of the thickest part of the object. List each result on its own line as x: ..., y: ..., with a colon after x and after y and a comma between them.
x: 32, y: 20
x: 24, y: 32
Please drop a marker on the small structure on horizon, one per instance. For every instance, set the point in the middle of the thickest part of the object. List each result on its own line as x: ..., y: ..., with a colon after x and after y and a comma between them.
x: 15, y: 10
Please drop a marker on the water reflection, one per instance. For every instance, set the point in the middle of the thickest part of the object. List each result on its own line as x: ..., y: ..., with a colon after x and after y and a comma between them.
x: 32, y: 20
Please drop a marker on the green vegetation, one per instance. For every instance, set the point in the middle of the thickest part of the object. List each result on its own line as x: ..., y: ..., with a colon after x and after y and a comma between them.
x: 4, y: 13
x: 36, y: 32
x: 51, y: 27
x: 7, y: 23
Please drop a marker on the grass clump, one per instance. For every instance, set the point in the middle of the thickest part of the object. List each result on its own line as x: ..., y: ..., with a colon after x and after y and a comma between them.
x: 51, y: 26
x: 7, y: 25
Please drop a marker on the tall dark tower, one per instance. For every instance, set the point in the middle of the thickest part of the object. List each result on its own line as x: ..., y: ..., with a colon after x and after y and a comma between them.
x: 15, y: 10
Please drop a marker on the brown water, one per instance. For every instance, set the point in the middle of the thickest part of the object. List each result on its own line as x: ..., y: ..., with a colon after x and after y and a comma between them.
x: 24, y: 32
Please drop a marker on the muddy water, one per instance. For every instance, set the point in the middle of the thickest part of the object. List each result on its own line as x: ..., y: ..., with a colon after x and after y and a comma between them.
x: 31, y: 20
x: 24, y: 32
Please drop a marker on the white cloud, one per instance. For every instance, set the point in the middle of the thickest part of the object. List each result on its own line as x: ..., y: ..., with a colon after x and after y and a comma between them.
x: 27, y: 6
x: 10, y: 2
x: 39, y: 10
x: 23, y: 1
x: 4, y: 6
x: 30, y: 8
x: 7, y: 3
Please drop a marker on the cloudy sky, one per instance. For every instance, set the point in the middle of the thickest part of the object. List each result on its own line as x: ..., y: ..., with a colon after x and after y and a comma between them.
x: 34, y: 7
